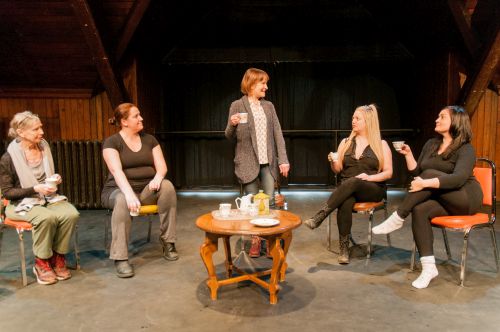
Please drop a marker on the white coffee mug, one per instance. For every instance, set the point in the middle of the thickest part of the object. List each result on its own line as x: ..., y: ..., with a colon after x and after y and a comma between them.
x: 243, y: 117
x: 224, y: 209
x: 333, y: 156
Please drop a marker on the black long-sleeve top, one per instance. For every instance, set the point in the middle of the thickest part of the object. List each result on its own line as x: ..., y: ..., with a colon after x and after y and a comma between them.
x: 9, y: 181
x: 458, y: 167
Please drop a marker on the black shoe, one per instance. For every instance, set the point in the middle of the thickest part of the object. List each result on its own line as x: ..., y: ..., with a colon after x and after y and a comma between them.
x: 124, y: 269
x: 169, y: 251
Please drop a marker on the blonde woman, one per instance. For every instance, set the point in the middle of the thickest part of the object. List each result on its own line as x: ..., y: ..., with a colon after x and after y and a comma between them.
x: 25, y: 170
x: 364, y: 163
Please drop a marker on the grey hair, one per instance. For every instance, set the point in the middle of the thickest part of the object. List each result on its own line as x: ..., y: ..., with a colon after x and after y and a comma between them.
x: 21, y: 120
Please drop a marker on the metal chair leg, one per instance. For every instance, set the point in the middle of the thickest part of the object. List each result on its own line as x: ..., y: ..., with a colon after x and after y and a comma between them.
x: 386, y: 215
x: 150, y: 222
x: 329, y: 233
x: 370, y: 221
x: 446, y: 244
x: 494, y: 240
x: 413, y: 256
x: 107, y: 225
x: 77, y: 250
x: 1, y: 237
x: 23, y: 258
x: 464, y: 258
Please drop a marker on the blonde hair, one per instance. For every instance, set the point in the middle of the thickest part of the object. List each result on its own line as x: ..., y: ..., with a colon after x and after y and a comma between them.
x: 21, y: 120
x: 373, y: 134
x: 251, y: 77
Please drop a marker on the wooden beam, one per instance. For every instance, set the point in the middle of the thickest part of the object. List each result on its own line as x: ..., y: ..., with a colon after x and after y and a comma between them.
x: 468, y: 35
x: 113, y: 86
x: 45, y: 93
x: 476, y: 83
x: 133, y: 19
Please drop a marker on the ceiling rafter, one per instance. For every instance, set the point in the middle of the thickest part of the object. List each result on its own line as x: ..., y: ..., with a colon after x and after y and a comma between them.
x: 132, y: 22
x: 111, y: 81
x: 477, y: 82
x: 463, y: 24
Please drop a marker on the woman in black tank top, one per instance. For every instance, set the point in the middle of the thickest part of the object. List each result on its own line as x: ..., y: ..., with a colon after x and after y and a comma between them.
x: 364, y: 162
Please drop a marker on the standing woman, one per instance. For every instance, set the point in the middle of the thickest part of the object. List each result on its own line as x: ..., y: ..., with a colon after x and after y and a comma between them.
x: 364, y: 163
x: 137, y: 172
x: 260, y: 147
x: 444, y: 184
x: 24, y: 169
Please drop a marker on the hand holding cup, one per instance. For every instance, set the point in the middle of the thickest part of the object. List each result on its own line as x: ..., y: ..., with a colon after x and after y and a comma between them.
x: 333, y: 157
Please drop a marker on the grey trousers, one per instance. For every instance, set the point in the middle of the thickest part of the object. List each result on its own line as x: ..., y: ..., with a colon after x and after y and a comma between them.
x: 53, y: 226
x: 166, y: 200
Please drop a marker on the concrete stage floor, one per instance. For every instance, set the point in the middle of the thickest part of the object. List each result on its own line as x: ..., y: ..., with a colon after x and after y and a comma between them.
x: 318, y: 294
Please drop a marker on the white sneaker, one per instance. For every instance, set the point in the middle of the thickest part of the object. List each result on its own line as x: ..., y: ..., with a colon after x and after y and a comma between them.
x: 394, y: 222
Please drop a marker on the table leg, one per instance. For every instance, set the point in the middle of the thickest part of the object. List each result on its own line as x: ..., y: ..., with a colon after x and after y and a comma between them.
x: 229, y: 260
x: 287, y: 239
x: 278, y: 259
x: 206, y: 251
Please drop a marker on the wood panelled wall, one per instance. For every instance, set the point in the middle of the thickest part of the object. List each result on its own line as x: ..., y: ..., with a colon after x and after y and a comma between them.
x: 63, y: 118
x: 486, y: 129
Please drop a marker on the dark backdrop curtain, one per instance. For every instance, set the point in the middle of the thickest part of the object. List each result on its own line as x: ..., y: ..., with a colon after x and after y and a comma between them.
x: 307, y: 96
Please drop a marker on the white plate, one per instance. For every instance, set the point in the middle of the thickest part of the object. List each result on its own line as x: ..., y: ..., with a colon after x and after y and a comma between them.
x: 265, y: 222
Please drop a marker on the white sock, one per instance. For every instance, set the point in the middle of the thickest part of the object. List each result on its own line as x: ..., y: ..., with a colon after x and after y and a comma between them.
x: 429, y: 272
x: 394, y: 222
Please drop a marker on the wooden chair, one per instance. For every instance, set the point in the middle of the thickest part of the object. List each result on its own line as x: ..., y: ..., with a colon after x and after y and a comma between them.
x: 22, y: 226
x: 487, y: 179
x: 145, y: 210
x: 368, y: 208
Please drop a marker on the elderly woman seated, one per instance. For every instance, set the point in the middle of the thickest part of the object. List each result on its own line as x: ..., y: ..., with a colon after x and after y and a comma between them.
x: 28, y: 181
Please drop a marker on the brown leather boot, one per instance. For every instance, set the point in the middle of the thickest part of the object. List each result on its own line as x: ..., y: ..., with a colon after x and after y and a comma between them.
x: 343, y: 249
x: 318, y: 218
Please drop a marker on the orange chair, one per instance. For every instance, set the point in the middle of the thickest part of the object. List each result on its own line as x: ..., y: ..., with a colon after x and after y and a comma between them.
x: 368, y: 208
x: 487, y: 179
x: 22, y: 226
x: 145, y: 210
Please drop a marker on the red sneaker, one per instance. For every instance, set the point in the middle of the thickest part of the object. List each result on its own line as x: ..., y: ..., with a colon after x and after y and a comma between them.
x: 255, y: 248
x: 58, y: 263
x: 43, y: 272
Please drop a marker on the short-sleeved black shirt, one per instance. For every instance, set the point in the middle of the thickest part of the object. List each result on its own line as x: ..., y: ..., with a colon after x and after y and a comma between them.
x: 138, y: 166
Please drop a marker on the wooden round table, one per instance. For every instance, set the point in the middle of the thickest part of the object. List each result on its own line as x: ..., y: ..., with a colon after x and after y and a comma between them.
x: 215, y: 229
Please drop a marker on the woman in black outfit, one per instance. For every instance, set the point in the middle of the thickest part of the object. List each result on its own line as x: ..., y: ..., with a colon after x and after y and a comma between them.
x: 443, y: 185
x: 364, y: 163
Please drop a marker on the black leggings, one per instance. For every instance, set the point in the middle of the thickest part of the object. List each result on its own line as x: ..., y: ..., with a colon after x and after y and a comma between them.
x: 349, y: 192
x: 429, y: 203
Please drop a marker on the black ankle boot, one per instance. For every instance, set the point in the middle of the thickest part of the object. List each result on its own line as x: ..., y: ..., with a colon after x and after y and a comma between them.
x: 343, y: 249
x: 318, y: 218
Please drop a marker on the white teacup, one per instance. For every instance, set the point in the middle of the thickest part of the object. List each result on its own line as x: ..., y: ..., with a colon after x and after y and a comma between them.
x: 224, y: 209
x: 135, y: 213
x: 398, y: 145
x: 333, y: 156
x: 243, y: 117
x: 51, y: 182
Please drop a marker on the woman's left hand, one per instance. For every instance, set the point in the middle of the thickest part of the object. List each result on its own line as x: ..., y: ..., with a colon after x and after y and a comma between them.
x: 363, y: 176
x: 284, y: 168
x: 155, y: 184
x: 417, y: 184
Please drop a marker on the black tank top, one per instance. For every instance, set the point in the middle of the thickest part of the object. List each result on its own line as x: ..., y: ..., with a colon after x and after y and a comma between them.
x: 367, y: 163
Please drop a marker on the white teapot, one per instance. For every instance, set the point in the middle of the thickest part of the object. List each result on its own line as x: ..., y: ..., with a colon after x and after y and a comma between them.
x: 244, y: 202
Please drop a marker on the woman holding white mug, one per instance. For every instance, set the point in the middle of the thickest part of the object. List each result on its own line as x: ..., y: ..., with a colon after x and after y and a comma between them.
x: 260, y: 147
x: 28, y: 181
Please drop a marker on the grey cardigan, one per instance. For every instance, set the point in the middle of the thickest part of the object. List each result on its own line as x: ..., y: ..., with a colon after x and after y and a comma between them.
x: 246, y: 162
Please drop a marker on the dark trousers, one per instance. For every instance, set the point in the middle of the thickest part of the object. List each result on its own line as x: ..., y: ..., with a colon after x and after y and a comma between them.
x: 431, y: 202
x: 347, y: 194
